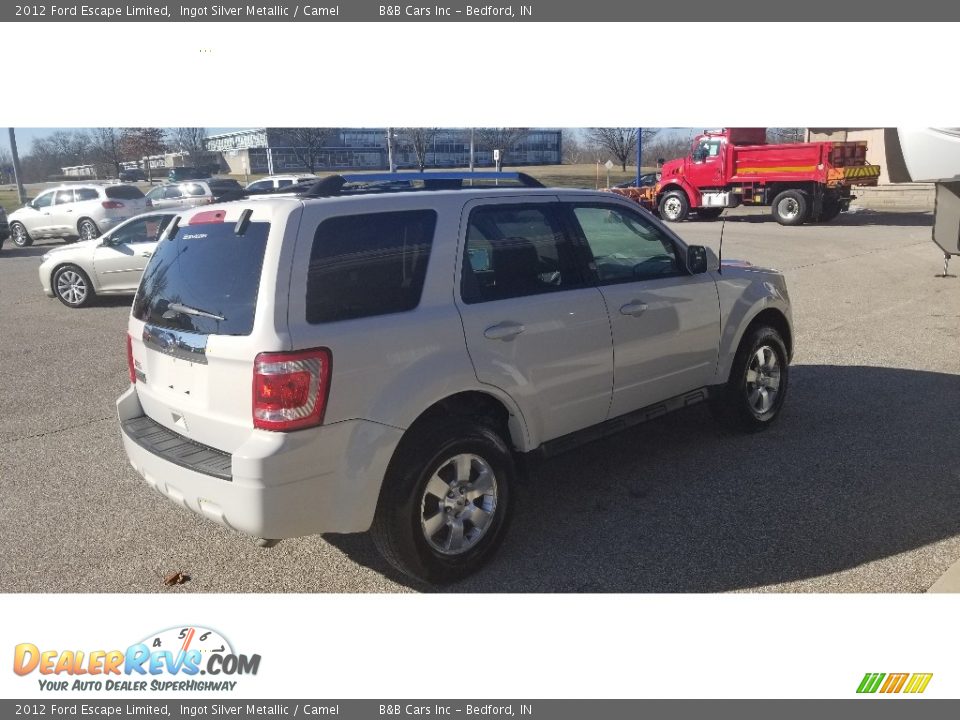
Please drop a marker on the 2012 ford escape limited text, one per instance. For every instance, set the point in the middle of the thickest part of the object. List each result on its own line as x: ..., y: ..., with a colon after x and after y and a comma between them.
x: 373, y: 355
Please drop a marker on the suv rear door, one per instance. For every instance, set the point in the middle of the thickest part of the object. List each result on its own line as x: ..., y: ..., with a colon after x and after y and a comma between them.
x: 196, y: 329
x: 665, y: 321
x: 534, y: 325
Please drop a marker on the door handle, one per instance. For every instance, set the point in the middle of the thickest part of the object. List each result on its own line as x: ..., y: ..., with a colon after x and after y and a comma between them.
x: 634, y: 308
x: 503, y: 331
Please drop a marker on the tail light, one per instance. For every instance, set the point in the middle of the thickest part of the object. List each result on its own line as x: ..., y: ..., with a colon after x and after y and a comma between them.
x: 130, y: 367
x: 112, y: 204
x: 290, y: 389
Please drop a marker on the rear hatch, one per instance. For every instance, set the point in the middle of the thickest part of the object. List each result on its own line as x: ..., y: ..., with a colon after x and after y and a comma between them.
x: 124, y: 201
x: 208, y: 303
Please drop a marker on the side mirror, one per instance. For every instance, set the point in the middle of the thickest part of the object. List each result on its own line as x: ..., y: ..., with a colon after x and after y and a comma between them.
x: 29, y: 204
x: 696, y: 259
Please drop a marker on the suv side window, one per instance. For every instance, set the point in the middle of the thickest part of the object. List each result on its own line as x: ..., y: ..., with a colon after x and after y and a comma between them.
x: 42, y: 201
x: 172, y: 192
x: 625, y: 245
x: 514, y: 251
x: 83, y: 194
x: 63, y: 197
x: 194, y: 189
x: 372, y: 264
x: 262, y: 185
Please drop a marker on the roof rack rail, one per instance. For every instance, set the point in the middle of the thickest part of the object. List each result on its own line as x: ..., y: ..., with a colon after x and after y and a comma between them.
x: 335, y: 184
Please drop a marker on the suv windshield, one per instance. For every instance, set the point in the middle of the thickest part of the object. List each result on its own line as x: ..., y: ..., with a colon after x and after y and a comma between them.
x: 204, y: 280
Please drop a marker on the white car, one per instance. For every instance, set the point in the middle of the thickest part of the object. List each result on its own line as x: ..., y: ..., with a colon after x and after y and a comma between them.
x: 275, y: 182
x: 191, y: 193
x: 365, y: 358
x: 83, y: 211
x: 109, y: 265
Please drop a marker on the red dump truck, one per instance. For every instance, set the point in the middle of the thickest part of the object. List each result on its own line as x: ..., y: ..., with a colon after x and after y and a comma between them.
x: 801, y: 182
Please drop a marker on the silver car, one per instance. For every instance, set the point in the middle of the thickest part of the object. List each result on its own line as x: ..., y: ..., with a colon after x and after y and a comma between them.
x: 192, y: 193
x: 109, y: 265
x: 83, y: 211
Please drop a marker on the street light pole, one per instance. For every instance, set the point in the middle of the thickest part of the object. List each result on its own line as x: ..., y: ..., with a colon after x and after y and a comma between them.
x: 390, y: 164
x: 471, y: 149
x: 17, y: 175
x: 639, y: 152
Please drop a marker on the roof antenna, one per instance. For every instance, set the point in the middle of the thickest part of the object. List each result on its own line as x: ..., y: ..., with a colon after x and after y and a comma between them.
x: 720, y: 249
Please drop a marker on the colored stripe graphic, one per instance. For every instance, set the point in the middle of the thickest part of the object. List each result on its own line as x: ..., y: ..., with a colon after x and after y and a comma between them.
x: 918, y: 683
x: 870, y: 682
x: 894, y: 683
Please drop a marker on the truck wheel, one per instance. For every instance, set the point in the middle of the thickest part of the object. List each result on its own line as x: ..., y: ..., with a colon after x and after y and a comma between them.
x: 757, y: 387
x: 791, y: 207
x: 674, y: 206
x: 445, y: 502
x: 830, y: 210
x: 709, y: 213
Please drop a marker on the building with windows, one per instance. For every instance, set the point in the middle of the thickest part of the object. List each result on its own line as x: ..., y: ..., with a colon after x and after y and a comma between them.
x: 277, y: 150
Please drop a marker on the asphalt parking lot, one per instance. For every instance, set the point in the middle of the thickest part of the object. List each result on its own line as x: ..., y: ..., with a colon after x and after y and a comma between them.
x: 856, y: 489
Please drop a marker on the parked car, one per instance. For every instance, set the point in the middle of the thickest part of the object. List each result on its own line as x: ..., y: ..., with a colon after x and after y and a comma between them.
x: 342, y: 362
x: 83, y: 211
x: 646, y: 180
x: 132, y: 175
x: 108, y: 265
x: 179, y: 174
x: 4, y: 227
x: 191, y: 194
x: 275, y: 182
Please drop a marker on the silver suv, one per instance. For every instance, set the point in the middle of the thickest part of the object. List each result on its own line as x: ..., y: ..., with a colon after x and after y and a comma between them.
x: 356, y: 359
x: 83, y: 211
x: 192, y: 193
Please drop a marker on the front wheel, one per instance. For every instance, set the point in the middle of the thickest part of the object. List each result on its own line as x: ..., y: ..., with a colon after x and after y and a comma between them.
x: 757, y: 388
x: 445, y: 502
x: 674, y: 206
x: 21, y: 238
x: 72, y: 286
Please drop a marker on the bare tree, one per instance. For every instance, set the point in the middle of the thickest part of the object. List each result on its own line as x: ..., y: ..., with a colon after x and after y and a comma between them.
x: 621, y: 142
x: 106, y: 147
x: 142, y: 142
x: 6, y: 161
x: 785, y: 135
x: 420, y: 140
x: 502, y: 139
x: 668, y: 147
x: 574, y: 151
x: 189, y: 140
x: 307, y: 144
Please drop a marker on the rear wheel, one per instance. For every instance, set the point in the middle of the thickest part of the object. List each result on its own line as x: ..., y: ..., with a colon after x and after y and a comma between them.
x: 21, y: 238
x: 72, y: 286
x: 830, y: 210
x: 674, y: 206
x: 88, y: 229
x: 791, y: 207
x: 757, y: 387
x: 445, y: 502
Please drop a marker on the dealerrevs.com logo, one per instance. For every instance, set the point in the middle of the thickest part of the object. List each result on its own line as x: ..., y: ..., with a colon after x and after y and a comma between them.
x: 178, y: 659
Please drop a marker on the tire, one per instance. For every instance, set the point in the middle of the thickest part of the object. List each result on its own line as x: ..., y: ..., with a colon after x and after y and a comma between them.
x: 709, y: 213
x: 447, y: 477
x: 791, y: 207
x: 750, y: 402
x: 674, y: 206
x: 72, y: 286
x: 18, y: 233
x: 87, y: 229
x: 830, y: 211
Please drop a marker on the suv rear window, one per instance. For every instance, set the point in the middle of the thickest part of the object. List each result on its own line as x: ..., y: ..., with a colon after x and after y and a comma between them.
x: 123, y: 192
x: 373, y: 264
x: 206, y: 268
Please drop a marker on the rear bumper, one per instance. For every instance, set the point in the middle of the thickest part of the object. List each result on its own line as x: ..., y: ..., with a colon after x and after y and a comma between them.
x: 279, y: 485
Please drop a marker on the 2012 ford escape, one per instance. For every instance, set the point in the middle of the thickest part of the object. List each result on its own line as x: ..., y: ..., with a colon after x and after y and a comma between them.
x: 381, y: 360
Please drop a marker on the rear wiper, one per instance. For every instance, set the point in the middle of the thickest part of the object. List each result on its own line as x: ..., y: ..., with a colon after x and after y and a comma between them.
x: 177, y: 308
